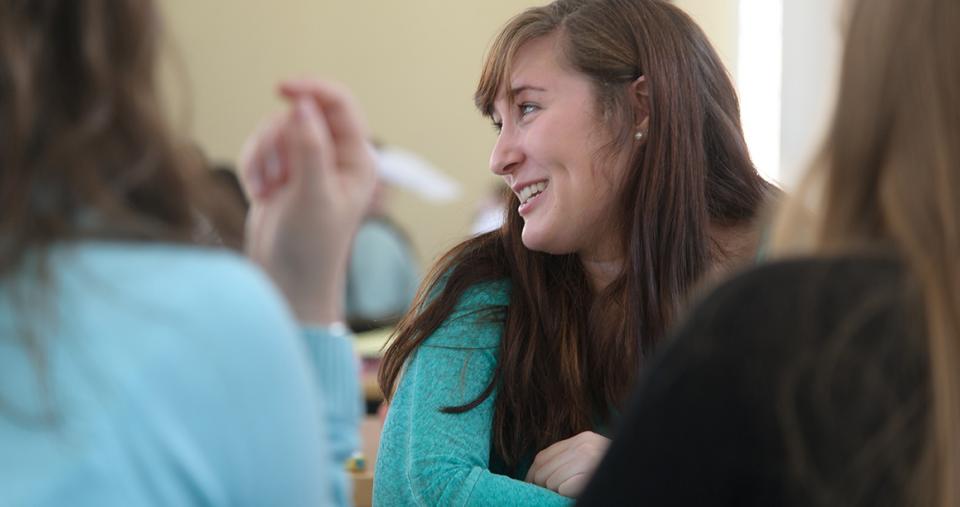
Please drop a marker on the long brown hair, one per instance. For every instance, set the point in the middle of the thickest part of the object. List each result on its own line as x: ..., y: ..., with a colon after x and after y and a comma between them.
x: 890, y: 176
x: 84, y: 150
x: 693, y: 172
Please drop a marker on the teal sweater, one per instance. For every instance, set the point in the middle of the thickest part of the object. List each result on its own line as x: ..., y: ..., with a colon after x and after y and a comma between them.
x: 427, y: 457
x: 170, y: 376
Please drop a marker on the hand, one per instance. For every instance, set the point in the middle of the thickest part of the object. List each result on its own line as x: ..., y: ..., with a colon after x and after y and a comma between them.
x: 310, y: 175
x: 566, y: 466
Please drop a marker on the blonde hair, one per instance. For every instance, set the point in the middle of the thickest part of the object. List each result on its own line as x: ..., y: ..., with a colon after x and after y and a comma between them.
x: 889, y: 177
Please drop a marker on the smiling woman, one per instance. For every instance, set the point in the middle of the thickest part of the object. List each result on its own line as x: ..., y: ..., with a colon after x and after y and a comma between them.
x: 619, y: 134
x: 547, y: 153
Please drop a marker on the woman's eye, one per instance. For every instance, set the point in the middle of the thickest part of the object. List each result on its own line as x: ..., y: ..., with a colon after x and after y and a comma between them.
x: 526, y: 109
x: 498, y: 126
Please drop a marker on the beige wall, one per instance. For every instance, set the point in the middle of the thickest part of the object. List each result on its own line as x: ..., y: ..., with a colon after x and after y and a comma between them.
x: 413, y: 66
x: 719, y: 19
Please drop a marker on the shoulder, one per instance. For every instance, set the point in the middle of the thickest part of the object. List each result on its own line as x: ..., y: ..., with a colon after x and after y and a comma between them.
x: 206, y: 314
x: 159, y: 270
x: 808, y: 282
x: 192, y: 293
x: 191, y: 347
x: 791, y: 305
x: 207, y: 302
x: 477, y: 317
x: 494, y: 293
x: 745, y: 333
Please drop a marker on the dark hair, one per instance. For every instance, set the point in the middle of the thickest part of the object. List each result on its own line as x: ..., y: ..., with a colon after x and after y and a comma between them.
x: 84, y: 149
x: 560, y: 369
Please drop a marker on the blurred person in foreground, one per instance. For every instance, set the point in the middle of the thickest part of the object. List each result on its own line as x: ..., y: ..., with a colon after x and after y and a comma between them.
x: 832, y: 378
x: 137, y: 368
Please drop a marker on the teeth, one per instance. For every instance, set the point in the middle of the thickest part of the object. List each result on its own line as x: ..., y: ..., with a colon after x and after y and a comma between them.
x: 531, y: 190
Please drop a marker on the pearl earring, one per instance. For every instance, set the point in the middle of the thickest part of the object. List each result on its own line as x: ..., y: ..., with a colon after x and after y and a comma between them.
x: 639, y: 135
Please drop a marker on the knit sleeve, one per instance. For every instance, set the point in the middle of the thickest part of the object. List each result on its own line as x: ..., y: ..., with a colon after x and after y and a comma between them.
x: 337, y: 376
x: 429, y: 457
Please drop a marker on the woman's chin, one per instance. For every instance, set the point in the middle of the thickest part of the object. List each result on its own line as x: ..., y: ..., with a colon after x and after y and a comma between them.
x: 537, y: 241
x: 531, y: 238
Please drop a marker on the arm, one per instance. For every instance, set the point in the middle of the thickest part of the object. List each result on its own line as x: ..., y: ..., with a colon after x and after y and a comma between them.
x: 338, y: 383
x: 312, y: 403
x: 431, y: 458
x: 310, y: 174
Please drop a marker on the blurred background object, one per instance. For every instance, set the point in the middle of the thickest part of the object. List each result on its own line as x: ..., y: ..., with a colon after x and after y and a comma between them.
x: 384, y: 270
x: 412, y: 172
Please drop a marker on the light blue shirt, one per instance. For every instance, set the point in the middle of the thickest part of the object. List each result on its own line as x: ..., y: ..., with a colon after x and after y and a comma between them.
x: 170, y: 375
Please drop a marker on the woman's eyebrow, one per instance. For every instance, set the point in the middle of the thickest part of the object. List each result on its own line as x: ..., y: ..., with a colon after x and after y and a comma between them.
x: 517, y: 90
x: 511, y: 95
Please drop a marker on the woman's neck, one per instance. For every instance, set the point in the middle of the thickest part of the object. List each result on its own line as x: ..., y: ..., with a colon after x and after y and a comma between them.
x: 601, y: 272
x: 732, y: 246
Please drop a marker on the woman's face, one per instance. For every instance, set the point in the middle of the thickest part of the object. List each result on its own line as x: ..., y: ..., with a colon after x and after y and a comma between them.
x: 547, y: 153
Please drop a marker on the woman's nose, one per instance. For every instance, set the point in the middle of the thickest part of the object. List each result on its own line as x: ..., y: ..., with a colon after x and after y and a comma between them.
x: 507, y: 153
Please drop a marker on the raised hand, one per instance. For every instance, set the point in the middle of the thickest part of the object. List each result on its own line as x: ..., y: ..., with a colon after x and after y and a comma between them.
x: 310, y: 174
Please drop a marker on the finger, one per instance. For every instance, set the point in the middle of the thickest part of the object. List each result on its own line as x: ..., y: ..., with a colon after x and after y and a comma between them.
x: 355, y: 154
x: 249, y: 154
x: 566, y: 466
x: 551, y: 467
x: 308, y: 145
x: 253, y: 159
x: 573, y: 486
x: 544, y: 458
x: 547, y: 455
x: 272, y: 165
x: 579, y: 459
x: 337, y: 105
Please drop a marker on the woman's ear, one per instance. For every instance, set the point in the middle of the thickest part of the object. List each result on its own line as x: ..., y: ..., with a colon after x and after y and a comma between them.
x: 640, y: 98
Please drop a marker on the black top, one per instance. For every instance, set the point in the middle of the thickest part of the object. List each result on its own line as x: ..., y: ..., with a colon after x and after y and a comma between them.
x: 793, y: 384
